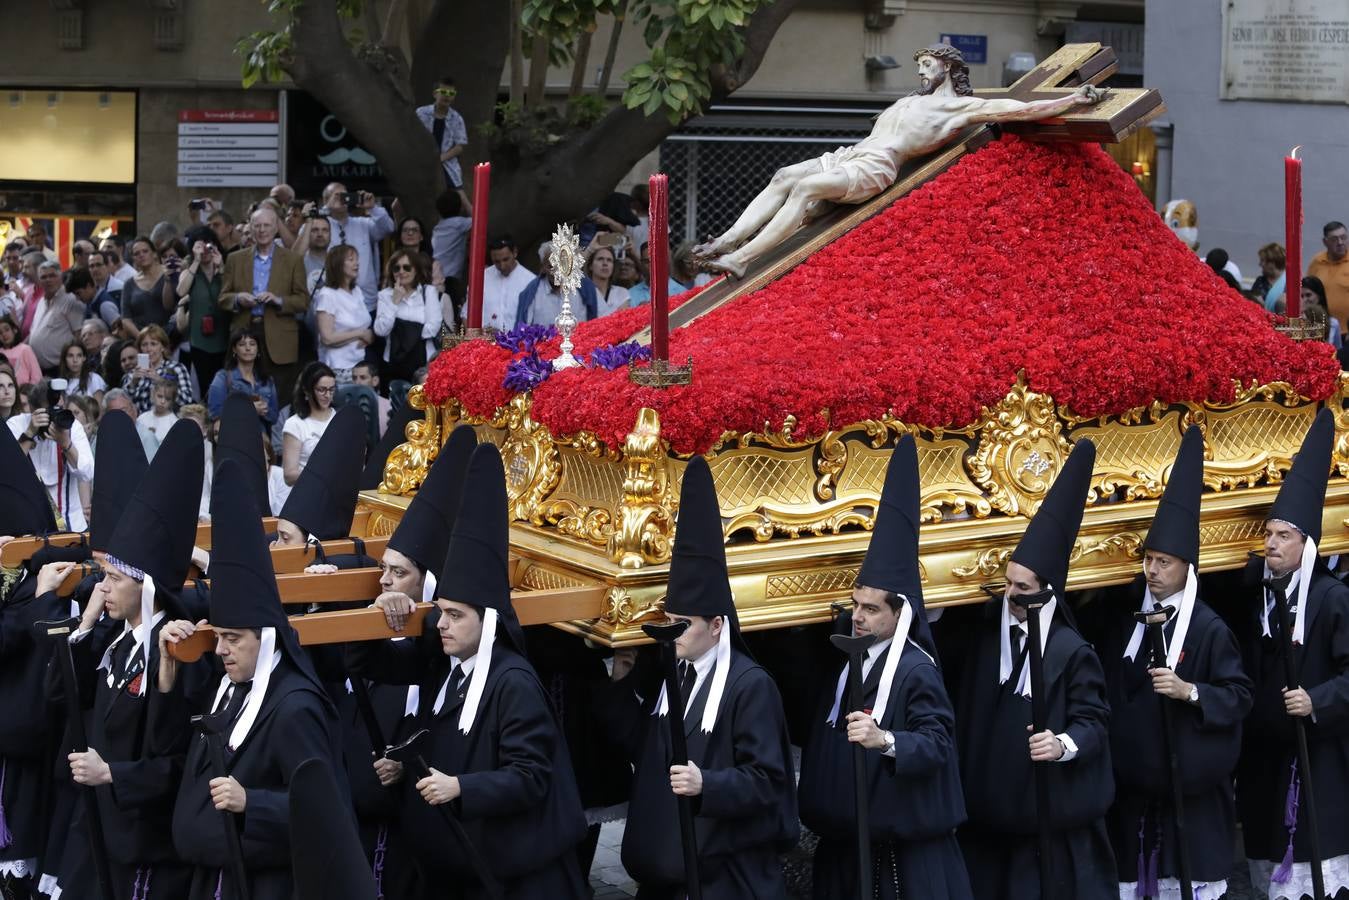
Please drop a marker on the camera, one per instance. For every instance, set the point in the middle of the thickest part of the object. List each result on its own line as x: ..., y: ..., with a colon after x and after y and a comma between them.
x: 318, y: 212
x: 58, y: 416
x: 196, y: 205
x: 351, y: 198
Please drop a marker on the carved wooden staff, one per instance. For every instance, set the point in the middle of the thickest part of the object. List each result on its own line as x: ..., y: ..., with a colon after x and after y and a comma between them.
x: 665, y: 636
x: 855, y: 648
x: 1154, y: 621
x: 1039, y: 713
x: 213, y: 728
x: 1278, y: 587
x: 59, y: 632
x: 409, y: 753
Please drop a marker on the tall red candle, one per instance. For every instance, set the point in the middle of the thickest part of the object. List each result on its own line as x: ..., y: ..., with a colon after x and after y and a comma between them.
x: 659, y: 242
x: 1292, y: 218
x: 477, y: 245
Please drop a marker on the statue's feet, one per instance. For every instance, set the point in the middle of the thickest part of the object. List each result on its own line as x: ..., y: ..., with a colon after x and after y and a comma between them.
x: 713, y: 248
x: 723, y: 265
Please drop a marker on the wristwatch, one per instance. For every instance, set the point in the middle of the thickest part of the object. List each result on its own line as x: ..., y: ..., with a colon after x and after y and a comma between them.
x: 1194, y: 694
x: 889, y: 741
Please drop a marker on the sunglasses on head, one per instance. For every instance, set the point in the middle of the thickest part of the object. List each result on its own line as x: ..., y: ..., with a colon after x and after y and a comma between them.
x: 446, y: 92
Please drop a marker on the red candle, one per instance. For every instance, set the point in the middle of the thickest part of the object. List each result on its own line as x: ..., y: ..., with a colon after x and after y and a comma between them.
x: 1292, y: 218
x: 659, y: 243
x: 477, y: 245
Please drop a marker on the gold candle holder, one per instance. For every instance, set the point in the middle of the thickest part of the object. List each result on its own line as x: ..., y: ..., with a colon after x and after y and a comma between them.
x: 451, y: 339
x: 1302, y: 328
x: 660, y: 373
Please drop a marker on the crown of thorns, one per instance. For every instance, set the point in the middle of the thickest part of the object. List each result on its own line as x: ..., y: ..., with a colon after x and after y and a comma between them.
x: 944, y: 52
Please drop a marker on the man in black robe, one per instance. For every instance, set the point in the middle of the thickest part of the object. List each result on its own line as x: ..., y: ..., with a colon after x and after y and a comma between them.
x: 144, y: 564
x: 275, y: 711
x: 1269, y: 786
x: 496, y: 756
x: 997, y: 758
x: 739, y: 772
x: 26, y: 597
x: 1206, y: 689
x: 915, y: 800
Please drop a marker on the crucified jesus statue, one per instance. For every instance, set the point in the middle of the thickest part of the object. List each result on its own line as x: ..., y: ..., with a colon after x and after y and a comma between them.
x: 915, y: 125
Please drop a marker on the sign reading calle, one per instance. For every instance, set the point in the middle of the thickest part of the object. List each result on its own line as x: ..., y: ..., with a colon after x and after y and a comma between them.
x: 228, y: 148
x: 1294, y: 50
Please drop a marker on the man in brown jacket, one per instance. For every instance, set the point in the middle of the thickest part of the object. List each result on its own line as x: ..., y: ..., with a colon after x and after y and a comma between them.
x: 266, y: 284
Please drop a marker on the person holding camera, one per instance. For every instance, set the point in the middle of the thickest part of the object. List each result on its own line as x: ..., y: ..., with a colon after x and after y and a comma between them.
x: 200, y: 317
x: 153, y: 362
x: 361, y: 232
x: 58, y: 447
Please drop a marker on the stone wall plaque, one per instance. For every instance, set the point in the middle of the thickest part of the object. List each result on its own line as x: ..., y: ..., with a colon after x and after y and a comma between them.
x: 1292, y: 50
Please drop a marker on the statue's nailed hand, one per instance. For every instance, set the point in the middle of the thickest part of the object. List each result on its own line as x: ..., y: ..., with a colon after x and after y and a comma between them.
x: 1090, y: 95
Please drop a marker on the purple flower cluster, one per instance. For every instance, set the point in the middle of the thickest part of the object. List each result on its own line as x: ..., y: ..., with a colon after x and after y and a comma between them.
x: 616, y: 356
x: 527, y: 372
x: 525, y: 338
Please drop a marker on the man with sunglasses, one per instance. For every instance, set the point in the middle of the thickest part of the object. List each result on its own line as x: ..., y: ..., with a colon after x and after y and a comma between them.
x: 447, y: 128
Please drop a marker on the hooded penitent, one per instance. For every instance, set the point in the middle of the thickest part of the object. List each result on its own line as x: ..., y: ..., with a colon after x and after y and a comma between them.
x: 1300, y: 503
x: 477, y: 567
x: 119, y: 451
x: 423, y: 534
x: 240, y: 439
x: 24, y: 505
x: 698, y: 584
x: 155, y: 533
x: 891, y: 564
x: 1047, y: 546
x: 244, y: 592
x: 323, y: 501
x: 394, y: 434
x: 1175, y: 531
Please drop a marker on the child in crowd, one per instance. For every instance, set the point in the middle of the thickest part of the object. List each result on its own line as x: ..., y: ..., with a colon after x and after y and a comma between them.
x: 154, y: 425
x: 197, y: 413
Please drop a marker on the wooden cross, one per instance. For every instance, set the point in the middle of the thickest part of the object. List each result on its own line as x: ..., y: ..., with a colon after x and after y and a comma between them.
x: 1120, y: 114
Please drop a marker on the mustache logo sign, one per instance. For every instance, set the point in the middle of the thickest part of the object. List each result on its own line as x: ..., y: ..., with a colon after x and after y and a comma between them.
x: 342, y: 155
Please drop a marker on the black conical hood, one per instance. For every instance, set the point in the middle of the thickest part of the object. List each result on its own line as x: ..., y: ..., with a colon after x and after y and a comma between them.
x: 423, y: 534
x: 477, y: 562
x: 1303, y: 495
x: 120, y: 451
x: 323, y: 500
x: 158, y: 527
x: 241, y: 439
x: 327, y: 860
x: 1048, y: 542
x: 394, y: 434
x: 891, y: 563
x: 699, y: 585
x: 243, y: 582
x: 24, y: 505
x: 1175, y: 529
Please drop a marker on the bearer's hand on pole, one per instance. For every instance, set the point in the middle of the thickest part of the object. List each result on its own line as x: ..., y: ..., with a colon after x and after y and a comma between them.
x: 88, y: 768
x: 172, y: 633
x: 624, y: 659
x: 862, y: 729
x: 1044, y: 746
x: 228, y: 794
x: 686, y: 781
x: 50, y: 576
x: 389, y: 771
x: 397, y: 607
x: 1297, y: 702
x: 438, y: 788
x: 1168, y: 684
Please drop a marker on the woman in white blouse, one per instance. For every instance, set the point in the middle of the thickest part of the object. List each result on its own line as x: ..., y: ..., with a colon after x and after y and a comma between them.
x: 343, y: 320
x: 600, y: 267
x: 408, y: 315
x: 312, y: 409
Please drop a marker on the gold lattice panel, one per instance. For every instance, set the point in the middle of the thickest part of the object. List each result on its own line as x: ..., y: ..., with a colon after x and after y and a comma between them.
x: 810, y: 584
x: 537, y: 578
x: 588, y: 481
x: 1251, y: 439
x: 1136, y: 456
x: 1233, y: 531
x: 748, y: 480
x: 941, y: 468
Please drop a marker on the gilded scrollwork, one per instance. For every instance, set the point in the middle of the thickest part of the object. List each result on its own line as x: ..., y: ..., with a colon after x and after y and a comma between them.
x: 1124, y: 543
x: 620, y: 608
x: 530, y: 458
x: 1021, y: 449
x: 646, y: 517
x: 986, y: 563
x: 406, y: 467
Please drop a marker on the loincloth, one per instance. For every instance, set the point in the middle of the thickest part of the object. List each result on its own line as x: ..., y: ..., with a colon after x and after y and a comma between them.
x: 870, y: 170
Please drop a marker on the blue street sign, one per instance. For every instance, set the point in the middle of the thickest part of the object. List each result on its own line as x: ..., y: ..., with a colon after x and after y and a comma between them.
x: 974, y: 47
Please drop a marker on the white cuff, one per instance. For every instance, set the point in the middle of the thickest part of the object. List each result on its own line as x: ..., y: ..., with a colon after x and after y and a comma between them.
x: 1069, y: 748
x: 76, y: 636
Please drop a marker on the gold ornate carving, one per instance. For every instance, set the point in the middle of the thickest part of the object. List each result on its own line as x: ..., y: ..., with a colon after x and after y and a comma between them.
x: 1253, y: 439
x: 540, y: 578
x: 530, y: 458
x: 646, y: 517
x: 986, y: 563
x: 1021, y: 449
x: 621, y: 609
x: 405, y: 469
x: 589, y: 490
x: 1130, y: 455
x: 1125, y: 543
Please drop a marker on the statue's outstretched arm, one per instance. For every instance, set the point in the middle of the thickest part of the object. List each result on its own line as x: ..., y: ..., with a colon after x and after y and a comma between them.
x: 981, y: 111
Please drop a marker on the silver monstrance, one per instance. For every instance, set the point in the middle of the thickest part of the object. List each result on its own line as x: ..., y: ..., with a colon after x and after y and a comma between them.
x: 566, y: 263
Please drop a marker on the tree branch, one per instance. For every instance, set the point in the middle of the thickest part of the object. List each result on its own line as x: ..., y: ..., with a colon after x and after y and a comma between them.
x: 759, y: 33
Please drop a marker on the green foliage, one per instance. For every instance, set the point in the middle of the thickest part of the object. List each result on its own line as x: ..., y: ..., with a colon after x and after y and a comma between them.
x: 688, y: 39
x: 265, y: 53
x: 529, y: 132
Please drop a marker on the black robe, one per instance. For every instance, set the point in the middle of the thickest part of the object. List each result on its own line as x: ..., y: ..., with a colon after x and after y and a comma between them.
x: 1269, y: 747
x: 915, y: 799
x: 27, y: 733
x: 746, y: 814
x: 295, y: 723
x: 518, y: 803
x: 1207, y: 744
x: 137, y: 808
x: 992, y: 720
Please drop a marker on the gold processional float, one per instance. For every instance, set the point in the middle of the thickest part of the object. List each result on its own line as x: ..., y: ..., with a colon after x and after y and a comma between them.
x: 797, y: 514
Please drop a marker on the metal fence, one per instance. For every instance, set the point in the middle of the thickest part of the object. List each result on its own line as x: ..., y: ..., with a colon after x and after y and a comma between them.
x: 716, y: 168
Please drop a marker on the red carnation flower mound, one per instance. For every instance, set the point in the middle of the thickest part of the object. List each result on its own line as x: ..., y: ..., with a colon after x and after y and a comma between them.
x: 1042, y: 257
